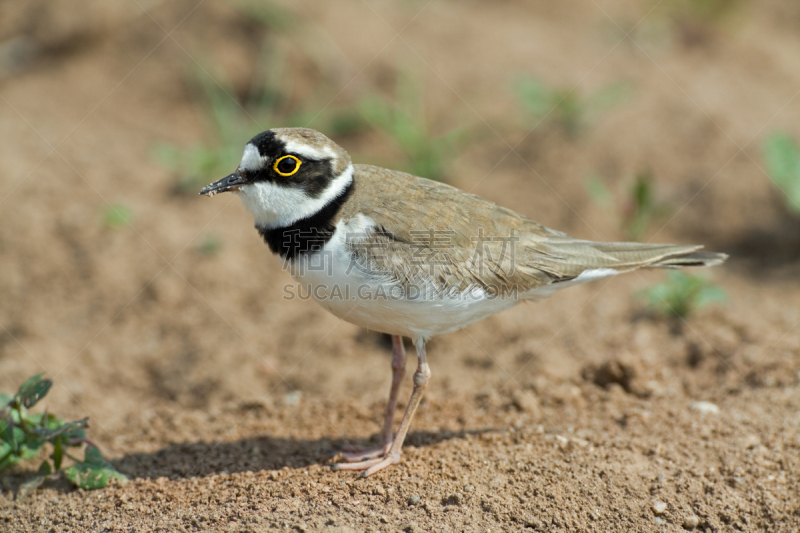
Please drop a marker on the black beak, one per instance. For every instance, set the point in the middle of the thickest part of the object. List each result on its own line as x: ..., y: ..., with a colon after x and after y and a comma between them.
x: 231, y: 182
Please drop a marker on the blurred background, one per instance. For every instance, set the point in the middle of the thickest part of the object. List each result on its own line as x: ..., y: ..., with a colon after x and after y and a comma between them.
x: 656, y: 121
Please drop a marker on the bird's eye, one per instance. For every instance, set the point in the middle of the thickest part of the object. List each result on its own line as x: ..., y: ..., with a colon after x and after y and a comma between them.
x: 287, y: 165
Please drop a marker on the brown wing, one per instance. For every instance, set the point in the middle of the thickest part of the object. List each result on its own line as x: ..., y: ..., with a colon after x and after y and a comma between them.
x: 435, y: 232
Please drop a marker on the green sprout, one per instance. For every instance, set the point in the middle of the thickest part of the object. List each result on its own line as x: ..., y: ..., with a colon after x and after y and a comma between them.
x: 566, y: 107
x: 404, y: 122
x: 117, y: 216
x: 209, y: 246
x: 782, y: 156
x: 707, y: 11
x: 231, y: 128
x: 23, y: 435
x: 233, y: 123
x: 266, y: 13
x: 636, y: 207
x: 682, y: 294
x: 702, y: 12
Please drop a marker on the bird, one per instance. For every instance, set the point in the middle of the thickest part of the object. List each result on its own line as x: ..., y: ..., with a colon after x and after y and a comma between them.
x: 408, y: 256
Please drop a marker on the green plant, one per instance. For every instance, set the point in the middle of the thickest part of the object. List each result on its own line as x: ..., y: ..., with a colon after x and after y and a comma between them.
x: 682, y: 294
x: 566, y: 107
x: 266, y: 13
x: 117, y: 216
x: 23, y: 435
x: 232, y: 123
x: 230, y: 127
x: 404, y: 122
x: 782, y: 156
x: 708, y: 11
x: 637, y: 207
x: 702, y: 12
x: 209, y: 246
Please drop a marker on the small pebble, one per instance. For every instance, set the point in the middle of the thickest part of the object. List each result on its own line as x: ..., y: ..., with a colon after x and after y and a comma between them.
x: 413, y: 500
x: 691, y: 522
x: 293, y: 398
x: 705, y: 408
x: 660, y: 521
x: 469, y: 488
x: 751, y: 441
x: 659, y: 507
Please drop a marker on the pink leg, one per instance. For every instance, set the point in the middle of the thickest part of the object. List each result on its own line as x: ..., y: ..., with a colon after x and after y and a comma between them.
x: 421, y: 377
x: 353, y: 453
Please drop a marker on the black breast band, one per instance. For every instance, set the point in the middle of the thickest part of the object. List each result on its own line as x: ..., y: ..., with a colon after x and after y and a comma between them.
x: 307, y: 235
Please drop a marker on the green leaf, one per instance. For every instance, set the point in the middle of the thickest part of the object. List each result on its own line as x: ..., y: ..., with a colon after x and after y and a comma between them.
x: 210, y: 245
x: 598, y: 191
x: 71, y: 429
x: 94, y: 473
x: 5, y: 399
x: 93, y: 455
x: 7, y: 457
x: 90, y: 477
x: 33, y: 390
x: 58, y: 454
x: 117, y: 216
x: 30, y: 448
x: 9, y: 433
x: 43, y: 420
x: 608, y: 97
x: 782, y: 156
x: 682, y: 294
x: 29, y: 486
x: 45, y: 469
x: 267, y: 13
x: 710, y: 295
x: 537, y: 99
x: 6, y: 427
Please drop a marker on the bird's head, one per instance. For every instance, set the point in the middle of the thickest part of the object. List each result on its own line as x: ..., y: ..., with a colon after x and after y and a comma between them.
x: 286, y: 175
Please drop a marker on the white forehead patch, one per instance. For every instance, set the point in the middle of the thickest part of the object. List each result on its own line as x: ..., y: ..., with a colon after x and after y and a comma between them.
x: 251, y: 159
x: 294, y: 147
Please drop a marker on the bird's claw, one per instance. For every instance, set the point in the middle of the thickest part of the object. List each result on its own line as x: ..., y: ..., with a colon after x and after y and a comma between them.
x: 370, y: 466
x: 356, y: 454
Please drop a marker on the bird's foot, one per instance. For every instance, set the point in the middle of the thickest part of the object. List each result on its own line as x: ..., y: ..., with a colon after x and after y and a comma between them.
x: 356, y: 454
x: 370, y: 466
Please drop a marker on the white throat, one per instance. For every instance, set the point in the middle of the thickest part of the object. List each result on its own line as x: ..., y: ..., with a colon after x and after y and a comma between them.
x: 274, y: 206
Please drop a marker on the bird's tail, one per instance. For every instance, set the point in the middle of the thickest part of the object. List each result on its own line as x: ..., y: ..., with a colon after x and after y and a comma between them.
x: 571, y: 262
x: 691, y: 259
x: 569, y: 258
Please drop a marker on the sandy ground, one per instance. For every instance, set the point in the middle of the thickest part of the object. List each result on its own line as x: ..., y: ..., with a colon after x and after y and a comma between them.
x: 224, y: 403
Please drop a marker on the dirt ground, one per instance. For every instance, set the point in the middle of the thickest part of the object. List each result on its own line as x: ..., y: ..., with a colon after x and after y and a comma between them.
x: 224, y: 403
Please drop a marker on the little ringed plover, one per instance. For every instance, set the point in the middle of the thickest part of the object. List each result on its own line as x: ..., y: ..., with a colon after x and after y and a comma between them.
x: 410, y: 257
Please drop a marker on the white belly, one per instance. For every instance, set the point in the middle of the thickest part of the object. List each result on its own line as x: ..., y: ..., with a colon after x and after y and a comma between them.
x: 383, y: 304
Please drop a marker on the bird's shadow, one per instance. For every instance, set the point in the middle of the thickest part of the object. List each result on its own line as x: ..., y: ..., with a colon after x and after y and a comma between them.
x: 254, y: 454
x: 767, y: 250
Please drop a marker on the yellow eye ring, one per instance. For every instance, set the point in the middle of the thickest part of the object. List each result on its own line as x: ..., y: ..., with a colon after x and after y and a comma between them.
x: 296, y: 168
